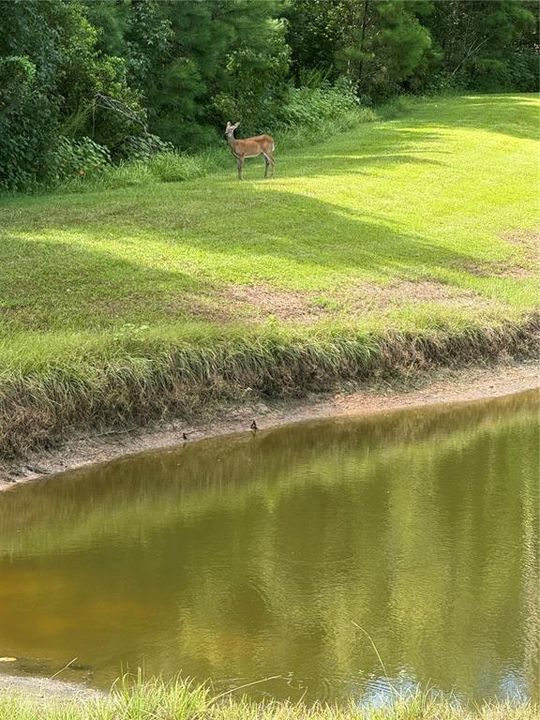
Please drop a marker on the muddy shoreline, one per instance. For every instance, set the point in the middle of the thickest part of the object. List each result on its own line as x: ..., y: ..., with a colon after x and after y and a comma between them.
x: 42, y: 688
x: 429, y: 389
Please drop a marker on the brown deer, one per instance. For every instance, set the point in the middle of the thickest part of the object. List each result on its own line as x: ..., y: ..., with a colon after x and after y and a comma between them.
x: 251, y: 147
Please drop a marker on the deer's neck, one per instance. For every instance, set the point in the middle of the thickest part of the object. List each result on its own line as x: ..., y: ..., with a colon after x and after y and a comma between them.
x: 232, y: 142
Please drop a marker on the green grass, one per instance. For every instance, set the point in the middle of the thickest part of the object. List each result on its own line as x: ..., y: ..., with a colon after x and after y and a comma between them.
x: 417, y: 227
x: 156, y: 700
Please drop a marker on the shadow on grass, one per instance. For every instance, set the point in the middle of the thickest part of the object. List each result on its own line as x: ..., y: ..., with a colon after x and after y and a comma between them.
x: 80, y: 282
x: 308, y: 231
x: 509, y: 114
x: 67, y: 285
x: 406, y: 139
x: 379, y: 146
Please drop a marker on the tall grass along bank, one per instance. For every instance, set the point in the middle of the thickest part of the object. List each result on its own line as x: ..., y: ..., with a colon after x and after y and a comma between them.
x: 158, y: 700
x: 130, y: 389
x: 398, y: 245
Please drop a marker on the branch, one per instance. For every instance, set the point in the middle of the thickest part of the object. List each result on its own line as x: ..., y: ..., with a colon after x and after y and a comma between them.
x: 109, y: 103
x: 469, y: 52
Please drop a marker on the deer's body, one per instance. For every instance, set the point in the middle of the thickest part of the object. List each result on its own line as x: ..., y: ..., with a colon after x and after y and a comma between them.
x: 251, y: 147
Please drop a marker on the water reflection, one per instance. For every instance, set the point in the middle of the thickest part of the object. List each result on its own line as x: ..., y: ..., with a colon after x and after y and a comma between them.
x: 248, y: 557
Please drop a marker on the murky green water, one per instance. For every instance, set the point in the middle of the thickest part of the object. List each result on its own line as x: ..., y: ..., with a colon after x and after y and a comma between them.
x: 247, y: 557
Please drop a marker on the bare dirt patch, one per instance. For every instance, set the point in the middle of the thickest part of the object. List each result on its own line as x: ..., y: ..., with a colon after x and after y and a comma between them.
x: 530, y: 239
x: 258, y: 301
x: 523, y: 262
x: 262, y: 300
x: 383, y: 297
x: 509, y: 270
x: 38, y: 688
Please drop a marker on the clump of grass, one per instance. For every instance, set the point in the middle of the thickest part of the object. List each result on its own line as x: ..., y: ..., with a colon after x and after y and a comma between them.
x: 180, y: 700
x: 162, y: 167
x: 174, y: 167
x: 298, y: 136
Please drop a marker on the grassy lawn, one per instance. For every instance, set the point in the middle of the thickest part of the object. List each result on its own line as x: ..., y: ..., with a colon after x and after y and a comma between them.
x: 423, y: 224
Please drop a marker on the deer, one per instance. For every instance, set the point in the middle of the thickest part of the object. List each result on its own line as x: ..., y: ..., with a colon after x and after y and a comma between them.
x: 251, y: 147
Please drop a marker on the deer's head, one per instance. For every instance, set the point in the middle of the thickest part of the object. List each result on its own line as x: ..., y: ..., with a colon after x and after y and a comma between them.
x: 230, y: 128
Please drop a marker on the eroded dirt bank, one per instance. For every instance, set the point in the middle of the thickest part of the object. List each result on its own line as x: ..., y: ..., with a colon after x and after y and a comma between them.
x: 432, y: 388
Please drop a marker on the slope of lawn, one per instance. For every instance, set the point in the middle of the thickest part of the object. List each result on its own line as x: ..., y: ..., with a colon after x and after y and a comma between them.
x: 417, y: 227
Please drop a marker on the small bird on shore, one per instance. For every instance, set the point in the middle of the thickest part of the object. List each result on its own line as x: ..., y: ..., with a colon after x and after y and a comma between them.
x: 253, y: 426
x: 184, y: 436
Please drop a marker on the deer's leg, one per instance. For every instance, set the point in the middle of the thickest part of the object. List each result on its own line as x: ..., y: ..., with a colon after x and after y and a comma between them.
x: 240, y: 167
x: 270, y: 162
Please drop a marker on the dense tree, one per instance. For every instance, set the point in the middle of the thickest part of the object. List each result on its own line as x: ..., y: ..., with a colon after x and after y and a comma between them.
x: 199, y: 62
x: 28, y: 61
x: 376, y: 43
x: 480, y: 41
x: 50, y: 73
x: 388, y: 45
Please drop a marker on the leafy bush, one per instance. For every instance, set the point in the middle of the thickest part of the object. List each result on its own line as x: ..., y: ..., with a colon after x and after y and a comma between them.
x: 126, y: 174
x: 309, y: 106
x: 23, y: 141
x: 523, y: 75
x: 78, y: 158
x: 142, y: 147
x: 55, y: 84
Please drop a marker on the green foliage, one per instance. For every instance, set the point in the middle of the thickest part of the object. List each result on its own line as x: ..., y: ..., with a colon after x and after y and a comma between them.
x: 78, y: 158
x: 216, y: 60
x: 142, y: 147
x: 110, y: 18
x: 173, y: 167
x: 376, y: 44
x: 256, y: 66
x: 312, y: 106
x: 27, y: 61
x: 51, y: 70
x: 386, y: 46
x: 486, y: 45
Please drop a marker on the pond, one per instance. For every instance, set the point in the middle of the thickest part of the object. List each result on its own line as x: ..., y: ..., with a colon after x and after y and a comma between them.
x: 330, y: 559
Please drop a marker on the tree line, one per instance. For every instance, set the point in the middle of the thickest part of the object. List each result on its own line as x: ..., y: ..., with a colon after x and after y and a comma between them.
x: 117, y: 79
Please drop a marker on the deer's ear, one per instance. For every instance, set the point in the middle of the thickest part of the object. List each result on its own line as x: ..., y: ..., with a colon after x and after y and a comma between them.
x: 236, y: 125
x: 228, y: 125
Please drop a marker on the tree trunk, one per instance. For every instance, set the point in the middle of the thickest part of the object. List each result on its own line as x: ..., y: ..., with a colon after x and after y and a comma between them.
x: 362, y: 37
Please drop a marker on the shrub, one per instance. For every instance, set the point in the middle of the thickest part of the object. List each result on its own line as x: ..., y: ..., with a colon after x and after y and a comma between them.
x: 54, y: 84
x: 309, y: 106
x: 24, y: 142
x: 523, y: 73
x: 142, y: 147
x: 78, y: 158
